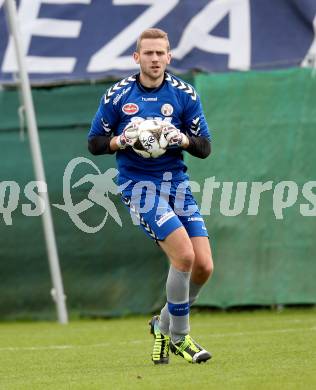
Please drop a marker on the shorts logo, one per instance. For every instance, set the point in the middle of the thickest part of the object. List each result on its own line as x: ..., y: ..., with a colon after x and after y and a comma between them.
x: 195, y: 219
x: 165, y: 217
x: 166, y: 109
x: 130, y: 108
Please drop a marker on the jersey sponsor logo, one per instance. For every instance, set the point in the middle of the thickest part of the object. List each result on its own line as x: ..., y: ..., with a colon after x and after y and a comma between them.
x: 116, y: 87
x: 137, y: 118
x: 150, y: 99
x: 118, y: 97
x: 156, y: 118
x: 166, y: 109
x: 165, y: 217
x: 130, y: 108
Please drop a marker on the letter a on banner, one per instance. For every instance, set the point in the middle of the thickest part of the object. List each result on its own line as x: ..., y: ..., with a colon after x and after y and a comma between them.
x: 236, y: 46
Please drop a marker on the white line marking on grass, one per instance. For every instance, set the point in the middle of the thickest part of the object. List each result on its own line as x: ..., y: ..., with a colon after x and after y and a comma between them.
x: 38, y: 348
x: 233, y: 334
x: 275, y: 321
x: 103, y: 345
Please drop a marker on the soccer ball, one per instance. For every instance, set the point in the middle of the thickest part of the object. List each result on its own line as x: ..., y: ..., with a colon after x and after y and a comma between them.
x: 150, y: 144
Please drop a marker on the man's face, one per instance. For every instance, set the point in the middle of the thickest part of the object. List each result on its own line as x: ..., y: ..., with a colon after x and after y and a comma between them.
x: 153, y: 57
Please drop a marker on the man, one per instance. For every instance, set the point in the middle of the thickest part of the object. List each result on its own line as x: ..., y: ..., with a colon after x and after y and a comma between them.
x: 154, y: 93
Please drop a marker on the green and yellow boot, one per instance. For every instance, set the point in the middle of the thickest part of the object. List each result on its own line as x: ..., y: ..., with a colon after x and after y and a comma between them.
x: 190, y: 350
x: 160, y: 354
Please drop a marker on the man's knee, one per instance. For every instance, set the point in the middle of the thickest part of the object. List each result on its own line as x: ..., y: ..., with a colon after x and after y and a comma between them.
x: 184, y: 259
x: 179, y: 249
x: 203, y: 267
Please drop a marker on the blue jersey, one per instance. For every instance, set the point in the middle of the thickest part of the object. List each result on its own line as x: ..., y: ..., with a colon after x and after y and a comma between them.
x: 174, y: 101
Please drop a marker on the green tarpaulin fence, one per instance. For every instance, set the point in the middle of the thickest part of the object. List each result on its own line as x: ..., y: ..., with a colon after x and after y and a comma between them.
x: 264, y: 130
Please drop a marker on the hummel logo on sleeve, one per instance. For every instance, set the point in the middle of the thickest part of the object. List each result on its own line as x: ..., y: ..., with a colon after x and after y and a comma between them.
x: 195, y: 126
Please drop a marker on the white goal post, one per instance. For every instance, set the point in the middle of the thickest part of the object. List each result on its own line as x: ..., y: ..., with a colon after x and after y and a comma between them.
x: 58, y: 290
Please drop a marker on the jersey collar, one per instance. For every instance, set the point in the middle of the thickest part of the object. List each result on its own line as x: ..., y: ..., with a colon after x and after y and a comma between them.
x: 146, y: 89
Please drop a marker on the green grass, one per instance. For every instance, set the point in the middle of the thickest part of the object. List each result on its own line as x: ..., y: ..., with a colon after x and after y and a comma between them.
x: 251, y: 350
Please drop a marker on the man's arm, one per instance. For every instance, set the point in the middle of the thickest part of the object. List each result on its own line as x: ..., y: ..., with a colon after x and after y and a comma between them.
x: 198, y: 146
x: 101, y: 144
x: 196, y: 128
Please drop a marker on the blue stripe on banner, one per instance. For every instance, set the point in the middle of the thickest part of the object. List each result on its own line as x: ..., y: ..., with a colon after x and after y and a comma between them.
x: 179, y: 309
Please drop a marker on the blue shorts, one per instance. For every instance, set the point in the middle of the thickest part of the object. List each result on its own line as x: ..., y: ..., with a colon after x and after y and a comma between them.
x: 161, y: 209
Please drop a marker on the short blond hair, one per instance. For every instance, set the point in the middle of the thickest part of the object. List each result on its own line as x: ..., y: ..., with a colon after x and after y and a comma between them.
x: 152, y: 33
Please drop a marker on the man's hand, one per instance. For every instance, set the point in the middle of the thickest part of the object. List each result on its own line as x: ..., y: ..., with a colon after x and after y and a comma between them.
x: 129, y: 135
x: 172, y: 136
